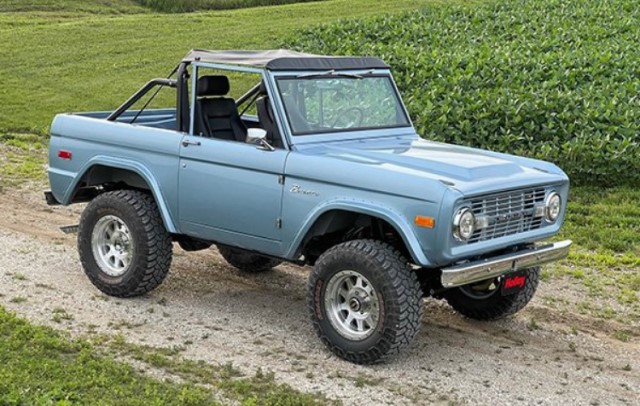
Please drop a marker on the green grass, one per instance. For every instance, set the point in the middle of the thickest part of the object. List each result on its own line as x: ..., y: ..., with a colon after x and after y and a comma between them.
x: 606, y: 221
x: 84, y: 62
x: 132, y: 6
x: 605, y: 259
x: 181, y: 6
x: 40, y: 366
x: 23, y: 158
x: 24, y: 142
x: 259, y: 388
x: 73, y: 6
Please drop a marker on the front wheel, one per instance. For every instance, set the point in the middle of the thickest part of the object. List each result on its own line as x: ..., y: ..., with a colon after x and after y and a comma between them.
x: 365, y: 302
x: 124, y: 248
x: 485, y: 300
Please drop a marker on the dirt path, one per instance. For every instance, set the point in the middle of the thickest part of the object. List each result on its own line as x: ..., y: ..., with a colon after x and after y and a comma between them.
x: 260, y: 321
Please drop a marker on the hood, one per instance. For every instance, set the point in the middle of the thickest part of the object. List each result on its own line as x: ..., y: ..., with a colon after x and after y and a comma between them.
x: 467, y: 169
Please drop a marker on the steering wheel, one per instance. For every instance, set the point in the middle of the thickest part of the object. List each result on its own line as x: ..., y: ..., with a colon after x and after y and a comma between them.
x: 354, y: 113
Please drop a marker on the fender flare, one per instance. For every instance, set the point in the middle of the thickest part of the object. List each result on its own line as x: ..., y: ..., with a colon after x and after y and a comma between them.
x: 374, y: 209
x: 132, y: 166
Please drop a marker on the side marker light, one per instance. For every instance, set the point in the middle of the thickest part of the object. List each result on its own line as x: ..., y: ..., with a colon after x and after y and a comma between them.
x: 425, y: 221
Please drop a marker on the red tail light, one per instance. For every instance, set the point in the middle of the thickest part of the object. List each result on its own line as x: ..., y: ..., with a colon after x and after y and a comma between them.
x: 62, y: 154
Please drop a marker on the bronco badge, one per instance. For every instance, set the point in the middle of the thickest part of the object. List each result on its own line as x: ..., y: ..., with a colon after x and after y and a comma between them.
x: 298, y: 189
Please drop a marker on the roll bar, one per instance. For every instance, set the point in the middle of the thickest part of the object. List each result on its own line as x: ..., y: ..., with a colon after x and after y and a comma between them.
x: 138, y: 95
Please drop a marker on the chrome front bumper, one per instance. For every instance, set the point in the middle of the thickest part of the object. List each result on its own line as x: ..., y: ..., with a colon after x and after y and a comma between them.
x: 476, y: 271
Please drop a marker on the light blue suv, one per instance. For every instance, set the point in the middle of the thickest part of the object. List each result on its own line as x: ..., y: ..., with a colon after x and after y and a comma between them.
x: 317, y: 164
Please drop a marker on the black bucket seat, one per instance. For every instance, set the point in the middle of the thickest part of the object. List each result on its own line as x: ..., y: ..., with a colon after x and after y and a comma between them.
x: 217, y: 116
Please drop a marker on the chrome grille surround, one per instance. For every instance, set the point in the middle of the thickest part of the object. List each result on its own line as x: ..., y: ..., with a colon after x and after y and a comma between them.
x: 507, y: 213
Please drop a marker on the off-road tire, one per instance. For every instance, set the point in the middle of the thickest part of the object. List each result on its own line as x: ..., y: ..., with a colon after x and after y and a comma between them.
x: 247, y: 261
x: 396, y: 288
x: 496, y: 306
x: 152, y: 252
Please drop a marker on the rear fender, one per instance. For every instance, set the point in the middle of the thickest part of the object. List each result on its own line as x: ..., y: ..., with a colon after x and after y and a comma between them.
x: 132, y: 166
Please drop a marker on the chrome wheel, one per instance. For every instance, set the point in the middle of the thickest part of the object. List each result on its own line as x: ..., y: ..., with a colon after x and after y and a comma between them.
x: 123, y: 245
x: 352, y: 305
x: 112, y: 245
x: 365, y: 302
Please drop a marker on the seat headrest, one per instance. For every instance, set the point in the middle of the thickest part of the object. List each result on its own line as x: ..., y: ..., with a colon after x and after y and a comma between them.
x: 263, y: 88
x: 213, y: 85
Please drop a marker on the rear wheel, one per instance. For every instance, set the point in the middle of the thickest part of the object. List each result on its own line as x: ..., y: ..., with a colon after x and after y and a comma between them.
x: 124, y: 248
x: 485, y: 301
x: 365, y: 302
x: 247, y: 261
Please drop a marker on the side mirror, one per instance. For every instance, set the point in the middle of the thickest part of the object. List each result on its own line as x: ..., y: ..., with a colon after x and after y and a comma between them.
x: 256, y: 136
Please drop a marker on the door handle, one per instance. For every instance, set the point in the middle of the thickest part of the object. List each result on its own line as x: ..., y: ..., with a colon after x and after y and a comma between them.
x: 186, y: 143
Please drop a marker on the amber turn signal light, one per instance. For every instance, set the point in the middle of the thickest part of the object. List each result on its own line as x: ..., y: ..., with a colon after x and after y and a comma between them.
x: 425, y: 221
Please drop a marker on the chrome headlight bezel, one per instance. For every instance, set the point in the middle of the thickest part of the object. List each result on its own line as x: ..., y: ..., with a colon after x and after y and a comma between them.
x: 464, y: 224
x: 553, y: 207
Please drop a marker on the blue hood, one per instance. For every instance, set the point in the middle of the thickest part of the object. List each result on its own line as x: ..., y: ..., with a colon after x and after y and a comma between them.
x: 469, y: 170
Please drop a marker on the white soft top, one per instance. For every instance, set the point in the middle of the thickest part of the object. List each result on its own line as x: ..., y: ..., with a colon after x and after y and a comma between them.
x: 283, y: 59
x: 249, y: 58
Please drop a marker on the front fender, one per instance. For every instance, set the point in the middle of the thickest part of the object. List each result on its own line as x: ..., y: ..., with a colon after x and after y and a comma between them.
x: 374, y: 209
x: 133, y: 166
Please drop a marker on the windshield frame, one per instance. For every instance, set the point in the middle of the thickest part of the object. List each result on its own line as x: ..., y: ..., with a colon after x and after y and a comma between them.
x: 341, y: 133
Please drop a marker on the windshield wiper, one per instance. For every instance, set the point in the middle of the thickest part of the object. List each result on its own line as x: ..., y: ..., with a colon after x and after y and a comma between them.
x: 331, y: 72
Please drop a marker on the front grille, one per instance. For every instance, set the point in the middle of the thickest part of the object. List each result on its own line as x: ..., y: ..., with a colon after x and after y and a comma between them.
x: 507, y: 213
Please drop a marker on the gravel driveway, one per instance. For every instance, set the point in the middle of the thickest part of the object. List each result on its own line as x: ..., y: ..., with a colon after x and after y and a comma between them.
x: 261, y: 321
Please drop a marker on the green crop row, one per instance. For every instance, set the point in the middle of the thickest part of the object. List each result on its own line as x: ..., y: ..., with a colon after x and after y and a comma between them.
x: 181, y: 6
x: 552, y: 79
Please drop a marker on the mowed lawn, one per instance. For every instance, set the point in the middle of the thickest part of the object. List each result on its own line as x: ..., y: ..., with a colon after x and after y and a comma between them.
x: 62, y: 61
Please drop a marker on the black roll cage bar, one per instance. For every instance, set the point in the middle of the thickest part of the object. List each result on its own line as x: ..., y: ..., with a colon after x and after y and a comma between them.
x: 139, y: 94
x: 182, y: 101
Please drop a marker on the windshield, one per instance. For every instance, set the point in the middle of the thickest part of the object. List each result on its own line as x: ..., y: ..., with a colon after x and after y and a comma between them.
x: 337, y: 102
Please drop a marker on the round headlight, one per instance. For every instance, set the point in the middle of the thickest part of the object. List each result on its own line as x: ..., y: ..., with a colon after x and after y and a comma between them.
x: 553, y: 207
x: 464, y: 224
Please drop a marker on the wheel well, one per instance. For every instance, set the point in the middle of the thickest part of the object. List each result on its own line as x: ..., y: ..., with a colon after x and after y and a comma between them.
x: 337, y: 226
x: 100, y: 178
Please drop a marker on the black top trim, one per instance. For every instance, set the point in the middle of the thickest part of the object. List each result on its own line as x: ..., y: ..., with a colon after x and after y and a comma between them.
x: 325, y: 63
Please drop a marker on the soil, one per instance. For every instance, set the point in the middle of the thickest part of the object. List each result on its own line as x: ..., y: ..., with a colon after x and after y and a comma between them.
x: 543, y: 355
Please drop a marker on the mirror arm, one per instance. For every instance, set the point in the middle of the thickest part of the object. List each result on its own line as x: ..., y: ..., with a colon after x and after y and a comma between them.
x: 265, y: 146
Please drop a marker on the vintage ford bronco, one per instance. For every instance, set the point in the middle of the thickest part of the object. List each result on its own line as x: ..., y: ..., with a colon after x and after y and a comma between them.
x: 328, y: 172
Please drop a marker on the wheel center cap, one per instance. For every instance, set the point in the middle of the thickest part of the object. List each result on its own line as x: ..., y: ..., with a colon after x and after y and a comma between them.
x: 354, y: 304
x: 121, y: 241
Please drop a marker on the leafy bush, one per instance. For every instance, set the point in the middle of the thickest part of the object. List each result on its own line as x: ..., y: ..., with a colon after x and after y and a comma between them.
x: 181, y: 6
x: 552, y: 79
